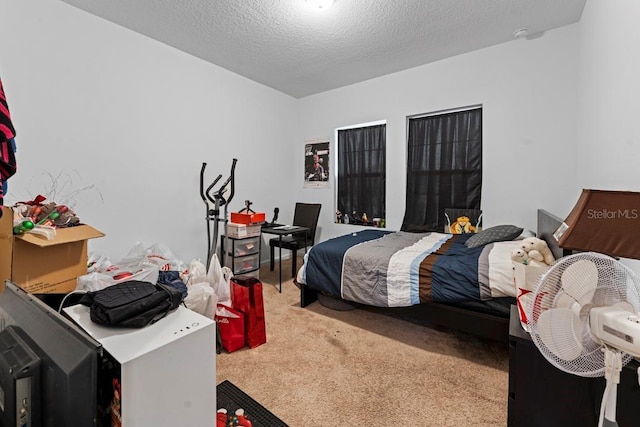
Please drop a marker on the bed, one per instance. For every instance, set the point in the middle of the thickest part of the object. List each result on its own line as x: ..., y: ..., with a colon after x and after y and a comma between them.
x: 433, y: 277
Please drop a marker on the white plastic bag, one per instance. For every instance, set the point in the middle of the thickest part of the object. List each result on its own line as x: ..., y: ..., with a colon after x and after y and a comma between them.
x: 157, y: 254
x: 96, y: 280
x: 196, y: 273
x: 219, y: 278
x: 93, y: 282
x: 97, y: 262
x: 202, y: 299
x: 161, y: 255
x: 133, y: 260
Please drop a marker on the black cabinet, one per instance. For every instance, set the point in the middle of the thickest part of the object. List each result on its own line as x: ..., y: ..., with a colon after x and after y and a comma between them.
x: 541, y: 395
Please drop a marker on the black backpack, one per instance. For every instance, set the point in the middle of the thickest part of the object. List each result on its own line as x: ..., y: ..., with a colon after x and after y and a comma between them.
x: 131, y: 304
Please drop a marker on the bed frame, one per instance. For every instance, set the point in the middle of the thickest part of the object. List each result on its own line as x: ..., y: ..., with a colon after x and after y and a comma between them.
x: 481, y: 324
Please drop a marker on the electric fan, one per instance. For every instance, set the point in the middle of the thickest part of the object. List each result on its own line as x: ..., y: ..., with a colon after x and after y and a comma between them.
x: 583, y: 318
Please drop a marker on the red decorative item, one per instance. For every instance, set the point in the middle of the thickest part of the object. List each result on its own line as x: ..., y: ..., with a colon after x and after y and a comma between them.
x: 246, y: 297
x: 231, y: 327
x: 221, y: 418
x: 242, y: 419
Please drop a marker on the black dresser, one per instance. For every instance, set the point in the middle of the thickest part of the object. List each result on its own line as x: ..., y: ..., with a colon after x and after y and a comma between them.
x: 541, y: 395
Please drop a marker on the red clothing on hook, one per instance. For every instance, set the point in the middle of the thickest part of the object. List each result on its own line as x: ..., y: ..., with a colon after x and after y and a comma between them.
x: 8, y: 164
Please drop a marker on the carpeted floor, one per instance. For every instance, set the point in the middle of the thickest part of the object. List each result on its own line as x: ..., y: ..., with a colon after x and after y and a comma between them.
x: 322, y: 367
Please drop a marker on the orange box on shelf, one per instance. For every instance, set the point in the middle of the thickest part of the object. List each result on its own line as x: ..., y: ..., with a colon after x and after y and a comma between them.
x: 247, y: 218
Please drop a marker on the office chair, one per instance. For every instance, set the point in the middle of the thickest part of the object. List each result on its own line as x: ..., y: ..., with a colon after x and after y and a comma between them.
x: 305, y: 215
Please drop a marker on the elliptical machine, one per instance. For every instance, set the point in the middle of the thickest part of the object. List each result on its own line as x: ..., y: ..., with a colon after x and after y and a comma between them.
x: 216, y: 198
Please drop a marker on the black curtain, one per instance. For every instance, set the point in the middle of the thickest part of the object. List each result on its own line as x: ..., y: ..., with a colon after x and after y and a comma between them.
x: 444, y: 167
x: 361, y: 171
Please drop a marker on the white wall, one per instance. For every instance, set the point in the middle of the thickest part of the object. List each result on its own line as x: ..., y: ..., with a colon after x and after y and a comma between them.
x: 528, y: 90
x: 97, y: 105
x: 609, y: 141
x: 134, y: 118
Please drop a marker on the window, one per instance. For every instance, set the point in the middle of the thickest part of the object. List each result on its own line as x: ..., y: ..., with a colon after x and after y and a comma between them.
x: 444, y: 166
x: 361, y: 173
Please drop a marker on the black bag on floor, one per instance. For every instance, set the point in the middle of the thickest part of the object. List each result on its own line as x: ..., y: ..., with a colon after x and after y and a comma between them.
x: 131, y: 304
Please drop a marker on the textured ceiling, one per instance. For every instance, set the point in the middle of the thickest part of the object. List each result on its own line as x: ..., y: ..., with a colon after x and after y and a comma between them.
x: 287, y: 45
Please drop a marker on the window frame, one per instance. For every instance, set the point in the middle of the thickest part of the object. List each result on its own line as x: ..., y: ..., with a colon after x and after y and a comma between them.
x: 473, y: 201
x: 337, y: 169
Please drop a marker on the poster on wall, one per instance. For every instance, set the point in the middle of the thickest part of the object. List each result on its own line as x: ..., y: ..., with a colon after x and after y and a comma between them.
x: 316, y: 163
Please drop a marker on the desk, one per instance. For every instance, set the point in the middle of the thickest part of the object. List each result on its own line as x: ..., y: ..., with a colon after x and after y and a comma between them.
x: 280, y: 231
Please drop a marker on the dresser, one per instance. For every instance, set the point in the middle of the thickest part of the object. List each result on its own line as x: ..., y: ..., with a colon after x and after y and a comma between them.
x: 541, y: 395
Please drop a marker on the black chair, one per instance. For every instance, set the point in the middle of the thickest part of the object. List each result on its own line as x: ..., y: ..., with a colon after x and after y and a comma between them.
x: 305, y: 215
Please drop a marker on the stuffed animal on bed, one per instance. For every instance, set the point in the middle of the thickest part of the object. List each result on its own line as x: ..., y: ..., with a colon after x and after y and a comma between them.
x: 462, y: 226
x: 538, y: 250
x: 520, y: 256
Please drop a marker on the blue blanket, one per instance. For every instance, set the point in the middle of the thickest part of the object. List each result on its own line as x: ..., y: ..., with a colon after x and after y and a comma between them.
x: 391, y: 269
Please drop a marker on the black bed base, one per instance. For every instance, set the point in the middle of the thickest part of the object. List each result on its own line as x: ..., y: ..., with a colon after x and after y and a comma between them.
x: 307, y: 295
x: 483, y: 325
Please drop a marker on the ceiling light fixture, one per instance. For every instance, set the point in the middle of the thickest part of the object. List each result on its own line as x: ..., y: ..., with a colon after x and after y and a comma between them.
x: 521, y: 33
x: 320, y: 4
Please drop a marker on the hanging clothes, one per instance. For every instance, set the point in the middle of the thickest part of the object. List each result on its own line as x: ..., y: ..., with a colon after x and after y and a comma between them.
x: 8, y: 164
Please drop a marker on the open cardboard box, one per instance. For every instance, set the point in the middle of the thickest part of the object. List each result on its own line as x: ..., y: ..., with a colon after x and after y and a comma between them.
x: 43, y: 266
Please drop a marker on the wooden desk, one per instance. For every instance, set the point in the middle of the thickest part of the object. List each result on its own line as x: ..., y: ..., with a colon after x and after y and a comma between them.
x: 285, y: 230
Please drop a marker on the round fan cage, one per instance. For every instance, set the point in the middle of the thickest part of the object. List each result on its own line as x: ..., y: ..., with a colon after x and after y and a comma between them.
x: 577, y: 283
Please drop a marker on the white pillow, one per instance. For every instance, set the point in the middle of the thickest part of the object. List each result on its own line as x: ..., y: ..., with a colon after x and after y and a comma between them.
x: 501, y: 269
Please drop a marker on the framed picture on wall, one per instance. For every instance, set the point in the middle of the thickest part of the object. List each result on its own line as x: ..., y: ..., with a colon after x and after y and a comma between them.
x: 316, y: 163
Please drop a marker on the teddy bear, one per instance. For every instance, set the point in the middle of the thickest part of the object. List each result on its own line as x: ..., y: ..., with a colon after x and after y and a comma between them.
x: 462, y: 226
x: 520, y: 256
x: 538, y: 250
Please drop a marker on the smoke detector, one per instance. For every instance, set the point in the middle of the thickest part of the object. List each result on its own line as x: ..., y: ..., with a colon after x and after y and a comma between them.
x: 521, y: 33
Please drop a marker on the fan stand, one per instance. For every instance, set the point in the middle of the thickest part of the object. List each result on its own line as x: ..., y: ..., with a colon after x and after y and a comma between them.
x: 609, y: 292
x: 613, y: 366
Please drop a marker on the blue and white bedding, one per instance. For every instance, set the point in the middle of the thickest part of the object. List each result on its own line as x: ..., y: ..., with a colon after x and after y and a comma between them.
x: 397, y: 269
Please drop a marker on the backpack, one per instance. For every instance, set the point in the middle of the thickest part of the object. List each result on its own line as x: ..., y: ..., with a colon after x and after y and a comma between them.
x: 131, y: 304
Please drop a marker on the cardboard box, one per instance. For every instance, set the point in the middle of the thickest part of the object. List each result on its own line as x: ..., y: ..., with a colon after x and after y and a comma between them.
x: 39, y: 265
x: 247, y: 218
x: 240, y: 231
x: 525, y: 279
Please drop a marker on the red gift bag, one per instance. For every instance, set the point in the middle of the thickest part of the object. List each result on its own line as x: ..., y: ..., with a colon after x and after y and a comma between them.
x: 231, y: 327
x: 246, y: 297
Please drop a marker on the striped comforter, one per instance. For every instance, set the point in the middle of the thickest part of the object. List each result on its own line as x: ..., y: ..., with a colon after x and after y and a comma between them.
x: 396, y: 269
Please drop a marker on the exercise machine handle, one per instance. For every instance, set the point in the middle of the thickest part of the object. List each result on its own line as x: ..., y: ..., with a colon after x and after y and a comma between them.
x: 217, y: 195
x: 232, y: 179
x: 204, y: 166
x: 205, y: 194
x: 215, y: 181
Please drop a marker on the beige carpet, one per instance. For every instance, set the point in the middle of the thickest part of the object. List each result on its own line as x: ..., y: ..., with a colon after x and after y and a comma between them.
x: 321, y: 367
